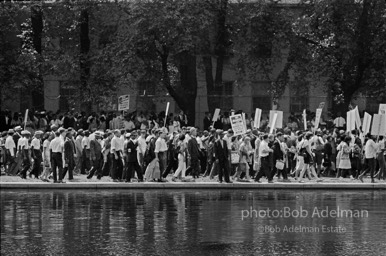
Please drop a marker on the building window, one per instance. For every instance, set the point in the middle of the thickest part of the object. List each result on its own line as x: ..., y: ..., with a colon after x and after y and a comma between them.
x: 223, y: 96
x: 262, y: 102
x: 146, y: 88
x: 67, y: 96
x: 372, y: 105
x: 299, y: 99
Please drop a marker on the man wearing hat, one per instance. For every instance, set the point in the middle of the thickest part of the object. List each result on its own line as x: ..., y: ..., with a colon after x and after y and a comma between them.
x: 54, y: 128
x: 96, y: 156
x: 69, y: 155
x: 36, y: 153
x: 10, y: 151
x: 132, y: 159
x: 16, y: 137
x: 221, y: 154
x: 23, y: 146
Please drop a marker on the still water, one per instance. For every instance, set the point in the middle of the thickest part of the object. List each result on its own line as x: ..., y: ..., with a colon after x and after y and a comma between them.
x: 187, y: 222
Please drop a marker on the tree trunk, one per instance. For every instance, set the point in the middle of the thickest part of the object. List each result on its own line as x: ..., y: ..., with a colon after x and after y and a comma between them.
x: 185, y: 96
x: 188, y: 75
x: 37, y: 92
x: 84, y: 63
x: 221, y: 45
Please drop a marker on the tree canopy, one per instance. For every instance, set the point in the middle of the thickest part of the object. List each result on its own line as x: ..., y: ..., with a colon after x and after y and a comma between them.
x: 99, y: 46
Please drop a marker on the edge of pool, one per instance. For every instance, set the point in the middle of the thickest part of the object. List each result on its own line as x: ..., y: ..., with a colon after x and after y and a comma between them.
x: 184, y: 185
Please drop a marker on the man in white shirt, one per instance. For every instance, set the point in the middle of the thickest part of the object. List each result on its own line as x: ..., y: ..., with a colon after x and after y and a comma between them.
x: 264, y: 151
x: 381, y: 158
x: 10, y: 150
x: 160, y: 151
x: 339, y: 122
x: 23, y: 145
x: 128, y: 125
x: 117, y: 146
x: 57, y: 156
x: 141, y: 149
x: 370, y: 158
x: 86, y: 164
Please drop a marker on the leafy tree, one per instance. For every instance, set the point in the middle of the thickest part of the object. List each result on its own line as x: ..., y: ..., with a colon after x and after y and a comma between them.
x: 343, y: 44
x: 159, y: 41
x: 19, y: 61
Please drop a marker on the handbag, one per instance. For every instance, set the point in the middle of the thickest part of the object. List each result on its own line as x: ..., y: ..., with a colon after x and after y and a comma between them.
x: 279, y: 164
x: 235, y: 157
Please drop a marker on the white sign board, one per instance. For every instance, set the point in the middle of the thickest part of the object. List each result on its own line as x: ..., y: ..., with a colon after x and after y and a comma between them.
x: 25, y: 118
x: 317, y: 118
x: 279, y: 120
x: 257, y: 118
x: 305, y: 120
x: 382, y: 109
x: 237, y: 124
x: 366, y: 123
x: 273, y: 124
x: 245, y: 121
x: 350, y: 125
x: 216, y: 114
x: 379, y: 125
x: 357, y: 118
x: 123, y: 102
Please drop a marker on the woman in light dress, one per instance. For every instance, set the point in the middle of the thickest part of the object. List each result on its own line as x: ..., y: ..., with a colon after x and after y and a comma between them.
x: 344, y: 157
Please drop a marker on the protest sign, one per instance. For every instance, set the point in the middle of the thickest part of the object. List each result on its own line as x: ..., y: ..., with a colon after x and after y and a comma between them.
x: 357, y: 118
x: 378, y: 126
x: 273, y: 124
x: 216, y: 114
x: 25, y: 118
x: 382, y: 109
x: 245, y: 121
x: 317, y: 118
x: 166, y: 113
x: 257, y: 118
x: 237, y: 124
x: 123, y: 102
x: 305, y: 120
x: 350, y: 125
x: 366, y: 123
x: 279, y: 120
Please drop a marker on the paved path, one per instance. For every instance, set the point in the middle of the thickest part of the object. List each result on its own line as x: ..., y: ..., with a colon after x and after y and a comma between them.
x: 190, y: 185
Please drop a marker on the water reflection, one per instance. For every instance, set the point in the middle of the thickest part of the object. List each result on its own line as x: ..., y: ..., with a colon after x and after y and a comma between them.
x: 140, y: 222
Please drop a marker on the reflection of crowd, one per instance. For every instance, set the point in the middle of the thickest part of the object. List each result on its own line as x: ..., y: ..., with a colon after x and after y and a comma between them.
x: 138, y: 147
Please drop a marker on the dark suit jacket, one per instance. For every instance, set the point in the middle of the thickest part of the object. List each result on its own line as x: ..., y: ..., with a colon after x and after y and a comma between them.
x: 193, y: 148
x: 95, y: 150
x: 207, y: 123
x: 220, y: 152
x: 131, y: 151
x: 69, y: 149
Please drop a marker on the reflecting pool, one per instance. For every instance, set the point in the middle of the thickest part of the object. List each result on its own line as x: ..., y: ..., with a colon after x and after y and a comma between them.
x: 190, y: 222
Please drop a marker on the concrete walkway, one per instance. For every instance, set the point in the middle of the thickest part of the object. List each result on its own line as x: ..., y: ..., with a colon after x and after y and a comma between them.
x: 190, y: 185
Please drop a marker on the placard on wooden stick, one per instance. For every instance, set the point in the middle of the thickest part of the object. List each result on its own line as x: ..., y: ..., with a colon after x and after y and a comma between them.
x: 366, y: 123
x: 237, y: 124
x: 258, y: 112
x: 279, y: 118
x: 378, y: 126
